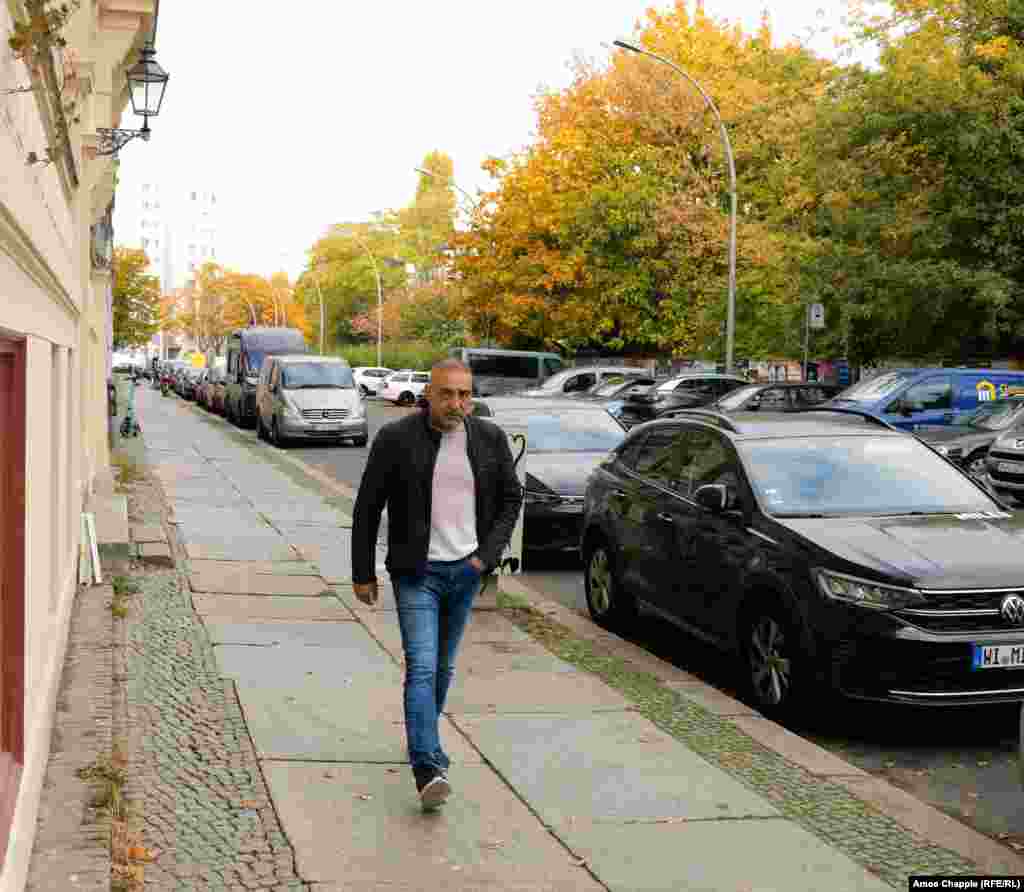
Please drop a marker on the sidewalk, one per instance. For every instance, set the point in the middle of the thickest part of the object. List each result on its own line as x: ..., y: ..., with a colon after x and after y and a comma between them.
x: 573, y: 768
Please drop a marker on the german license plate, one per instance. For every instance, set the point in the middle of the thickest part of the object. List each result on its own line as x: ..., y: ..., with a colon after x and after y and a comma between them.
x: 998, y: 656
x: 1010, y: 467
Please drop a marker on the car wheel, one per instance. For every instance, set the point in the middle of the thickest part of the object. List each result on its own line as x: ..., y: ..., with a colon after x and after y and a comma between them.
x: 975, y: 464
x: 609, y: 605
x: 771, y: 654
x: 275, y: 434
x: 406, y: 399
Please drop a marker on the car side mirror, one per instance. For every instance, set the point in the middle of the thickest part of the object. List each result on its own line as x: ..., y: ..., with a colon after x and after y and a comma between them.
x: 713, y: 496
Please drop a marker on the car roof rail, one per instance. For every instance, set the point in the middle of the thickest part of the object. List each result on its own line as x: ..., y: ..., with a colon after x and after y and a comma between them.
x: 863, y: 413
x: 717, y: 418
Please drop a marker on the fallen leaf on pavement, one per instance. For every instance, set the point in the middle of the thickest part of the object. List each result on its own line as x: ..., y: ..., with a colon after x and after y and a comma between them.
x: 580, y: 862
x: 972, y: 795
x: 365, y: 796
x: 493, y: 844
x: 249, y: 803
x: 1017, y: 846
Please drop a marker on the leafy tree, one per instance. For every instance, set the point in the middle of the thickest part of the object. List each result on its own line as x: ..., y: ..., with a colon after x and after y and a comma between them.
x: 136, y: 299
x: 611, y: 230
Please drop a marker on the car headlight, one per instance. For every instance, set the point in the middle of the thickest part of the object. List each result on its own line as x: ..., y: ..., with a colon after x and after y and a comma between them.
x: 290, y: 408
x: 539, y: 493
x: 866, y: 593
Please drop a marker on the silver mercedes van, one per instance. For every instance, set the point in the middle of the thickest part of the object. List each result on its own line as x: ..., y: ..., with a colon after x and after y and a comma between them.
x: 300, y: 396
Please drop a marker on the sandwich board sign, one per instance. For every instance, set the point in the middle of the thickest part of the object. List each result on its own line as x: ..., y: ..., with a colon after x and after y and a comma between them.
x: 516, y: 430
x: 817, y: 315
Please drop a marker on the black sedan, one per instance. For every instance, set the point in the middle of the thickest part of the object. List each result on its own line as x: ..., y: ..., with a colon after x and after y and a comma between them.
x: 822, y: 551
x: 967, y: 443
x: 565, y: 442
x: 690, y: 391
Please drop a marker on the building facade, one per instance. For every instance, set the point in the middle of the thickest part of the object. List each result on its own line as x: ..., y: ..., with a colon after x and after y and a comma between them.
x: 56, y: 194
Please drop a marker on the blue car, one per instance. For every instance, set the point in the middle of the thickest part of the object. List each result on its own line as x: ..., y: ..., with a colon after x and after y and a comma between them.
x: 912, y: 398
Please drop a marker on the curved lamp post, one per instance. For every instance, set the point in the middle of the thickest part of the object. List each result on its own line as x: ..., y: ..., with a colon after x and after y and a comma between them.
x: 380, y: 295
x: 730, y: 325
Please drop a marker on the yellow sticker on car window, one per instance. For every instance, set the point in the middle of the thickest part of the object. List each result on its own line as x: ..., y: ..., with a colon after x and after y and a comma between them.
x: 986, y: 391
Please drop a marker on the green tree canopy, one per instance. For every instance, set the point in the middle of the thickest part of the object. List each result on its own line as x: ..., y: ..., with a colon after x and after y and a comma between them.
x: 136, y: 299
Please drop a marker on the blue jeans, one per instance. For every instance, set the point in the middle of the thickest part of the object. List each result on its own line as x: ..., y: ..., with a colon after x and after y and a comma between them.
x: 433, y: 610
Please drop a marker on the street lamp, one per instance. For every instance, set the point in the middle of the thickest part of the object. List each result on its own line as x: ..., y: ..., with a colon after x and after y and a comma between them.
x: 730, y: 326
x: 147, y: 82
x: 380, y: 295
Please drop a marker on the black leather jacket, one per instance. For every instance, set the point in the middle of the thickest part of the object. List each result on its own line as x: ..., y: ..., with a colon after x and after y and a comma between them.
x: 400, y: 475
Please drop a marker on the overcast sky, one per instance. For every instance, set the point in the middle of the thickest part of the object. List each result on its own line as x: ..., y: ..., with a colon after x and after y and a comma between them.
x: 315, y: 112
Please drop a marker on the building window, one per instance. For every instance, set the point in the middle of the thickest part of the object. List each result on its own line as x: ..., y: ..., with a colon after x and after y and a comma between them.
x: 213, y: 198
x: 145, y: 244
x: 191, y: 250
x: 145, y: 187
x: 193, y: 196
x: 211, y: 252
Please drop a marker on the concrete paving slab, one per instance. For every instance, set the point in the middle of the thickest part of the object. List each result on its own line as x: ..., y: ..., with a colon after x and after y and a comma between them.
x: 483, y: 627
x: 289, y: 513
x: 714, y: 856
x: 711, y: 698
x: 148, y: 533
x: 265, y: 608
x: 493, y: 659
x: 155, y: 551
x: 808, y: 755
x: 279, y: 665
x: 341, y: 818
x: 338, y: 723
x: 111, y: 517
x: 205, y: 493
x: 230, y: 549
x: 609, y: 767
x: 245, y: 583
x: 530, y: 692
x: 265, y: 568
x: 285, y: 634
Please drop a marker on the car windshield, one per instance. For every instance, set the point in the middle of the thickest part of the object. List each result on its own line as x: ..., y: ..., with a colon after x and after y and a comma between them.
x: 994, y: 416
x: 669, y: 385
x: 566, y: 431
x: 857, y: 475
x: 738, y: 397
x: 297, y: 375
x: 421, y: 377
x: 608, y: 387
x: 876, y: 388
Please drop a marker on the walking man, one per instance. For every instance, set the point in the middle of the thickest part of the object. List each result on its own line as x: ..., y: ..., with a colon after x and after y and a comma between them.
x: 453, y: 498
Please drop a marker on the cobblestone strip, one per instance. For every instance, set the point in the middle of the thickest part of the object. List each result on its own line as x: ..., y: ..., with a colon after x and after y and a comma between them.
x: 71, y: 848
x: 204, y: 806
x: 826, y: 809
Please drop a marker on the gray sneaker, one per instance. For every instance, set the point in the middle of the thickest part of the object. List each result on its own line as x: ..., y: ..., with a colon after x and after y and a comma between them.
x: 435, y: 792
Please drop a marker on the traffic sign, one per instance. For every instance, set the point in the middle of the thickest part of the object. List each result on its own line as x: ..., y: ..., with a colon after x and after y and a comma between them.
x: 817, y: 315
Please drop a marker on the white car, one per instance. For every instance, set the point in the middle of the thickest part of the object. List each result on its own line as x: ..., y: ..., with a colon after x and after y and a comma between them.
x: 403, y: 386
x: 370, y: 379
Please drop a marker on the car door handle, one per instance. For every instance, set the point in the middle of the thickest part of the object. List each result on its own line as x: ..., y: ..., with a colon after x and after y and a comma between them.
x: 665, y: 516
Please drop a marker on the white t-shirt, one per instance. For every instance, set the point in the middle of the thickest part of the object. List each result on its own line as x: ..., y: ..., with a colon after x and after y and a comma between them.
x: 453, y: 502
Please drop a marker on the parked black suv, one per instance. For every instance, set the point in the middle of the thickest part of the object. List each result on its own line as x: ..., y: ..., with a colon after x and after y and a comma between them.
x: 682, y: 392
x: 825, y: 548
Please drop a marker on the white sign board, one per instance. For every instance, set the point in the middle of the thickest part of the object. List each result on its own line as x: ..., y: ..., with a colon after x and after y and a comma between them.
x: 817, y: 318
x: 512, y: 558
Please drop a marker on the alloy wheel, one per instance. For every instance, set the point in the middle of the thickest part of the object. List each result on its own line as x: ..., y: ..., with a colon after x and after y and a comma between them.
x: 771, y: 667
x: 976, y: 466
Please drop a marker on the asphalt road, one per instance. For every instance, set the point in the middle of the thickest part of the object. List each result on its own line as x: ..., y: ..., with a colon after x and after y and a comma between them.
x: 963, y: 761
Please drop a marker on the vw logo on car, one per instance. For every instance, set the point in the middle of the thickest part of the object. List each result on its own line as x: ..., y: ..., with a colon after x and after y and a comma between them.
x: 1012, y: 609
